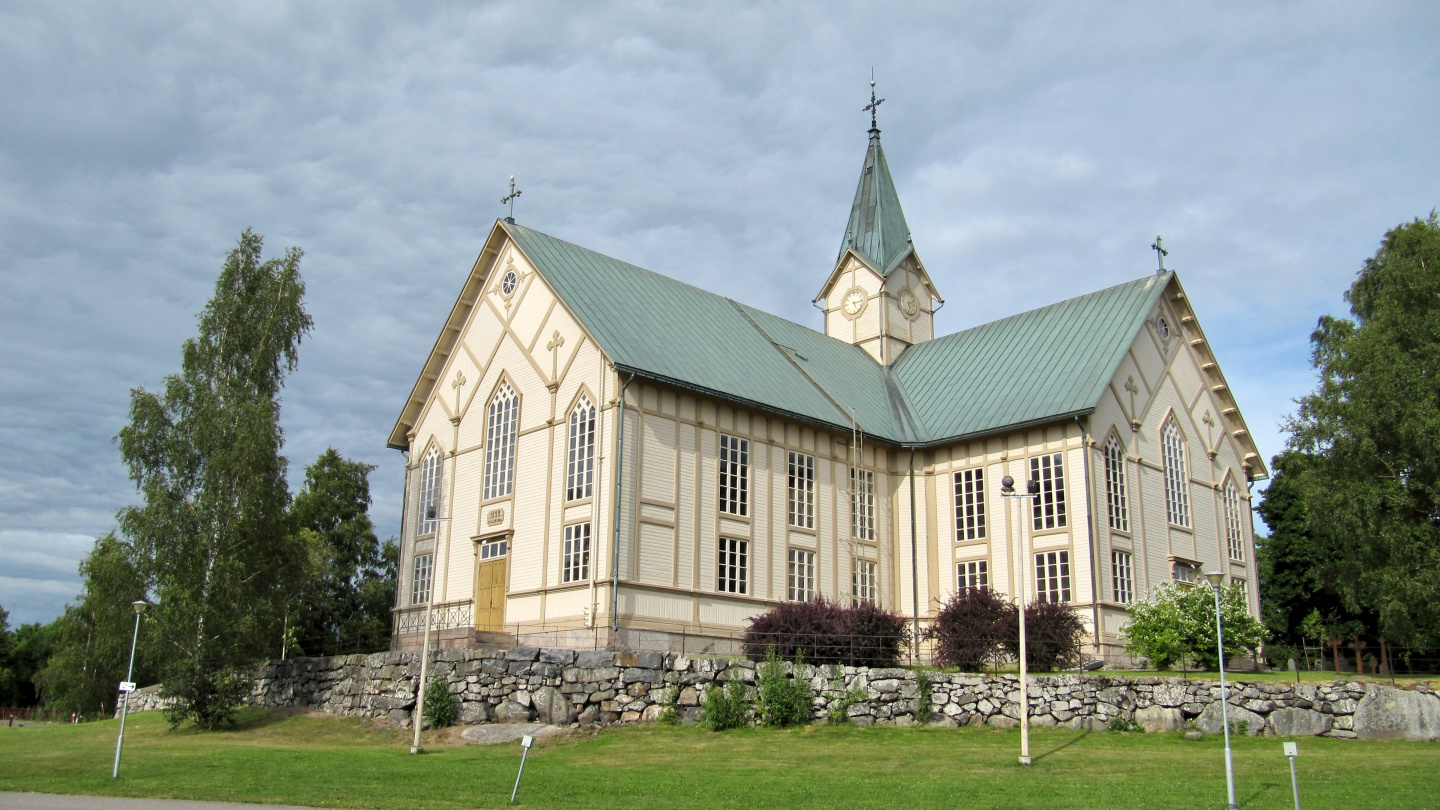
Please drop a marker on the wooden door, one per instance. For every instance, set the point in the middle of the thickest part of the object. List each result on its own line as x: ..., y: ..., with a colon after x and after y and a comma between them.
x: 490, y: 595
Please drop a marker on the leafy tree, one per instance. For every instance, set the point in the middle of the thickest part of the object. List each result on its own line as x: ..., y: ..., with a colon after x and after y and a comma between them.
x: 92, y: 643
x: 29, y: 648
x: 1372, y: 426
x: 1173, y: 624
x: 213, y: 536
x: 345, y: 605
x: 7, y: 675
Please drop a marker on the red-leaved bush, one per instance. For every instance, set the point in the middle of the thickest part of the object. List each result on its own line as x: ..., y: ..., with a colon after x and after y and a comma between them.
x: 978, y: 627
x: 970, y: 630
x: 828, y: 633
x: 1054, y: 636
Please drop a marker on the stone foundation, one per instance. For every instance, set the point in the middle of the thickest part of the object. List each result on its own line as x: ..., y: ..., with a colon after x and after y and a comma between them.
x: 558, y: 686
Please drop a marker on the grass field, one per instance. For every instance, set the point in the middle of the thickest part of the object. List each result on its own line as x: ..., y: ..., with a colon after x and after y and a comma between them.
x: 274, y: 757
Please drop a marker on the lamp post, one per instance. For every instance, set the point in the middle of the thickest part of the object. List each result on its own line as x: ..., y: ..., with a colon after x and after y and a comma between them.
x: 1216, y: 578
x: 128, y: 686
x: 419, y: 719
x: 1007, y: 490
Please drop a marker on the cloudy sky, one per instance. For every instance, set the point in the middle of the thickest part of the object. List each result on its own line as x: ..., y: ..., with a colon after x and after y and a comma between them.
x: 1038, y: 150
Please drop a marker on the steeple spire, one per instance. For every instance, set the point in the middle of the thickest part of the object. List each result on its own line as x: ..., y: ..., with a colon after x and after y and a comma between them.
x: 877, y: 230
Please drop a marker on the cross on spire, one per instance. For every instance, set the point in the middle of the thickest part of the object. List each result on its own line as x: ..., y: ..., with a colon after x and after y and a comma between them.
x: 510, y: 200
x: 1160, y: 253
x: 874, y: 104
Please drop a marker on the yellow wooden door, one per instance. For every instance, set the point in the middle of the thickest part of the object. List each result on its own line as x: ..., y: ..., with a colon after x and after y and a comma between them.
x: 490, y: 595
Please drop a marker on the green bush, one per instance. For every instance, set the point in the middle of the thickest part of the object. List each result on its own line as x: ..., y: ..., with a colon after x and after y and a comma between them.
x: 1174, y: 624
x: 440, y: 706
x: 726, y: 706
x: 209, y: 697
x: 784, y: 700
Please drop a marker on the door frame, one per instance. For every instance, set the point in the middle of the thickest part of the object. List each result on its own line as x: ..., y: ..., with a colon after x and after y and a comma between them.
x: 507, y: 538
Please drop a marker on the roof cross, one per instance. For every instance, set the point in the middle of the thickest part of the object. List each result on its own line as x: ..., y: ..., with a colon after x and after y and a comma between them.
x: 510, y: 200
x: 874, y: 103
x: 1160, y: 253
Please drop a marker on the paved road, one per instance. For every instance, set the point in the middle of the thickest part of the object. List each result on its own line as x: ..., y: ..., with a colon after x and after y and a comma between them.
x: 46, y: 801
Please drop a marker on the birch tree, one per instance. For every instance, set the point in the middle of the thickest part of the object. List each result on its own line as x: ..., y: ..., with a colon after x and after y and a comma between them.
x: 211, y: 536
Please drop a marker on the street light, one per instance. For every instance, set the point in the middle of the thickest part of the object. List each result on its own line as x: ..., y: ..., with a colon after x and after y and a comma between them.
x: 1216, y: 579
x: 1007, y: 490
x: 419, y: 719
x: 127, y: 686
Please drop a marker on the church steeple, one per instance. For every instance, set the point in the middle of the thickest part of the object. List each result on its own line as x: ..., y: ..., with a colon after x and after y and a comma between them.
x: 879, y: 296
x: 877, y: 230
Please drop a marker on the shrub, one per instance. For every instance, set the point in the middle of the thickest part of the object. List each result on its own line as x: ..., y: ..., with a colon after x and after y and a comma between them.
x: 209, y: 697
x: 970, y: 629
x: 828, y: 633
x: 1054, y: 636
x: 784, y: 700
x: 726, y: 706
x: 1172, y: 624
x: 440, y: 708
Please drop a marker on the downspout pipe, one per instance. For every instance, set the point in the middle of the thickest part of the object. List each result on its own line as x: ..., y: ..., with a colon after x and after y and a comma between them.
x: 1090, y: 536
x: 615, y: 543
x: 914, y: 566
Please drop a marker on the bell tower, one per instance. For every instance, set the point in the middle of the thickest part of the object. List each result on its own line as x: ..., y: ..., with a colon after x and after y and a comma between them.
x: 878, y: 296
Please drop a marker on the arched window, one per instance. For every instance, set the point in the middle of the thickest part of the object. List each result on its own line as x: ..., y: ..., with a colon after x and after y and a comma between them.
x: 1234, y: 534
x: 1115, y: 500
x: 500, y: 423
x: 1177, y: 480
x: 580, y: 466
x: 429, y: 491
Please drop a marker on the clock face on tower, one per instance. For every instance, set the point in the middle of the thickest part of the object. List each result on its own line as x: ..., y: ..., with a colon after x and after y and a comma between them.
x: 854, y: 301
x: 909, y: 304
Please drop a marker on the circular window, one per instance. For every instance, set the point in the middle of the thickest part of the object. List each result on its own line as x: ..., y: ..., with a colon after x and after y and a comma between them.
x: 1163, y: 327
x: 509, y: 282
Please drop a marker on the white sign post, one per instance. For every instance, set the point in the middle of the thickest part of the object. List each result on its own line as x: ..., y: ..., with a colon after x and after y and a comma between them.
x: 1292, y: 750
x: 525, y: 743
x: 127, y: 686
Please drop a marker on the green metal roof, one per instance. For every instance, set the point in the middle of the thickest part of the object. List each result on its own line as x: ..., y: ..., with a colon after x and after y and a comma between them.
x: 1044, y: 364
x: 1039, y: 365
x: 877, y: 230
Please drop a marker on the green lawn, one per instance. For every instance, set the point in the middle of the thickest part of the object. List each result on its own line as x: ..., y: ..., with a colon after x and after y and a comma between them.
x: 313, y: 760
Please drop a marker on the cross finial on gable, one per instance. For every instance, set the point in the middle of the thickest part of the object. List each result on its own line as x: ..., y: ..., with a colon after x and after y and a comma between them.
x: 1160, y: 253
x: 873, y: 105
x: 509, y: 199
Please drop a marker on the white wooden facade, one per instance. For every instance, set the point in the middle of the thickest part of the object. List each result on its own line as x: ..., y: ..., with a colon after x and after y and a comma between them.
x: 670, y: 523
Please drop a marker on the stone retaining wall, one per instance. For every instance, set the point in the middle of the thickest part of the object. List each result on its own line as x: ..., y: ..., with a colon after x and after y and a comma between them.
x: 602, y: 687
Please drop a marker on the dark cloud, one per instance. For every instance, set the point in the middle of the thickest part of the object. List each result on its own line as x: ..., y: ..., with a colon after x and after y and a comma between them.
x: 1038, y: 149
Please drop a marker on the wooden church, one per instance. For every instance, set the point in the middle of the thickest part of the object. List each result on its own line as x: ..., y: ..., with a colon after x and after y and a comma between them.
x: 599, y: 455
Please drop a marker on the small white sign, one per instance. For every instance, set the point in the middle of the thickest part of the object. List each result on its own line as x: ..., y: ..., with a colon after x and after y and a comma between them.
x: 1292, y: 749
x: 127, y: 686
x: 527, y: 741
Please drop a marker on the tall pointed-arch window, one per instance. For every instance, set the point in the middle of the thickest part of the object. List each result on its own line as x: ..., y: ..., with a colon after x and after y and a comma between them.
x: 429, y: 501
x: 500, y: 423
x: 1177, y: 479
x: 580, y: 464
x: 1115, y: 502
x: 1234, y: 533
